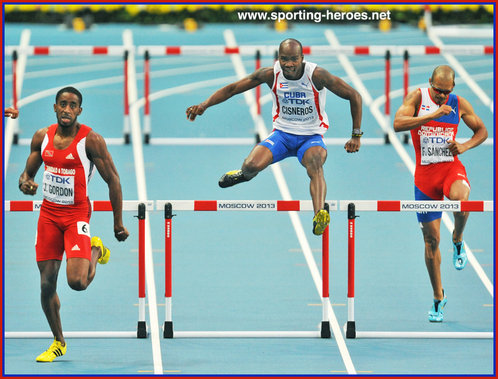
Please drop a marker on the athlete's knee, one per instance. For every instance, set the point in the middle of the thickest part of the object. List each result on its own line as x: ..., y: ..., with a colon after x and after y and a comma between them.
x: 77, y: 284
x: 314, y: 165
x: 251, y: 167
x: 47, y: 288
x: 459, y: 191
x: 431, y: 242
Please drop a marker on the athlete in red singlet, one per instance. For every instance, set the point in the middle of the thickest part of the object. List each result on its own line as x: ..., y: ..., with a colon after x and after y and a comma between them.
x: 70, y: 151
x: 432, y: 116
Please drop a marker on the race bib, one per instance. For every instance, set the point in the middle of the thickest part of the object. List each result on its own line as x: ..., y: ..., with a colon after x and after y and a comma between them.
x: 58, y: 189
x: 435, y: 149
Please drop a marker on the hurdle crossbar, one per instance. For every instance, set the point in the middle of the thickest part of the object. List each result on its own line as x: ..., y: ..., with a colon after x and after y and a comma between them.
x: 250, y: 50
x: 97, y: 205
x: 418, y: 206
x: 351, y: 206
x: 317, y: 50
x: 241, y: 205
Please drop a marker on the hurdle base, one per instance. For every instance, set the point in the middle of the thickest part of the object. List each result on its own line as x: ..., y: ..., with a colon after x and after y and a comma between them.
x: 350, y: 329
x: 168, y: 329
x: 425, y: 335
x: 72, y: 334
x: 247, y: 334
x: 142, y: 329
x: 325, y: 329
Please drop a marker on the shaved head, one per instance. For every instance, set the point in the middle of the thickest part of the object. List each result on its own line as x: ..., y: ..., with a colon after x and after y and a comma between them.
x: 290, y: 43
x: 444, y: 73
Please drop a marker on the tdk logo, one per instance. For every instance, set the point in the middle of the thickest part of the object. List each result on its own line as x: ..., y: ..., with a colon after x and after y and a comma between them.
x: 437, y: 140
x: 298, y: 98
x: 58, y: 179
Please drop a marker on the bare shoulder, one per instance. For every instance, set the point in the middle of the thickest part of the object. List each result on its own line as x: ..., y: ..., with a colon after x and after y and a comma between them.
x: 94, y: 137
x: 323, y: 78
x: 95, y: 143
x: 264, y: 74
x: 464, y: 103
x: 39, y: 136
x: 413, y: 97
x: 320, y: 71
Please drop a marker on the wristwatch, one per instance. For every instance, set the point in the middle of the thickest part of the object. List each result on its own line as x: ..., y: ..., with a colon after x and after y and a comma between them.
x: 357, y: 133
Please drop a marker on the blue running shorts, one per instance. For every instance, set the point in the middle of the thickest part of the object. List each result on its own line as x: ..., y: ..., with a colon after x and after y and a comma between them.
x: 426, y: 216
x: 283, y: 145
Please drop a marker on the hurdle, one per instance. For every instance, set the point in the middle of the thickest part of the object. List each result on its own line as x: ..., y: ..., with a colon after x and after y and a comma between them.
x: 72, y: 50
x: 351, y: 206
x: 258, y: 51
x: 102, y: 206
x: 241, y: 205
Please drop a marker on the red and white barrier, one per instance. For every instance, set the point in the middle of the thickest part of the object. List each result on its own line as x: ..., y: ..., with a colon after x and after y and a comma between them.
x: 351, y: 206
x: 116, y: 50
x: 418, y: 206
x: 325, y: 50
x: 105, y: 206
x: 250, y: 50
x: 97, y: 205
x: 240, y: 205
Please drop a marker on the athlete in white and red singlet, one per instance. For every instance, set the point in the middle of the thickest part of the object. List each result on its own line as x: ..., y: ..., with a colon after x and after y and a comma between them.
x: 432, y: 116
x: 70, y: 151
x: 299, y: 120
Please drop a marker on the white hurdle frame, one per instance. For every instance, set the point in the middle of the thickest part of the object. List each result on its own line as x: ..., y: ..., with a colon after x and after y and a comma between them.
x: 351, y: 206
x: 75, y: 51
x: 242, y: 205
x: 97, y: 205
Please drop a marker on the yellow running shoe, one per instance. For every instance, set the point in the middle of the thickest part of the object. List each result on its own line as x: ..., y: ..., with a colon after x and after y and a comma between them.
x: 106, y: 253
x: 320, y: 222
x: 55, y: 350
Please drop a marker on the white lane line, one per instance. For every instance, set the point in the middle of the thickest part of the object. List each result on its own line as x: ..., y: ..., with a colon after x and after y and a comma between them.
x: 296, y: 221
x: 142, y: 196
x: 375, y: 109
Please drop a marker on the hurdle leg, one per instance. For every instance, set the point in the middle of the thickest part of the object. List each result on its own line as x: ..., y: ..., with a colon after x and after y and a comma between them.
x: 406, y: 76
x: 126, y: 125
x: 350, y: 326
x: 15, y: 140
x: 147, y: 127
x: 325, y: 326
x: 142, y: 325
x: 258, y: 95
x: 387, y: 92
x: 168, y: 323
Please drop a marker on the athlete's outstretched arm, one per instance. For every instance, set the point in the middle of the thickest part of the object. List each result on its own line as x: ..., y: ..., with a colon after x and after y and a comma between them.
x: 263, y: 75
x: 27, y: 183
x: 323, y: 78
x: 475, y: 123
x: 97, y: 152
